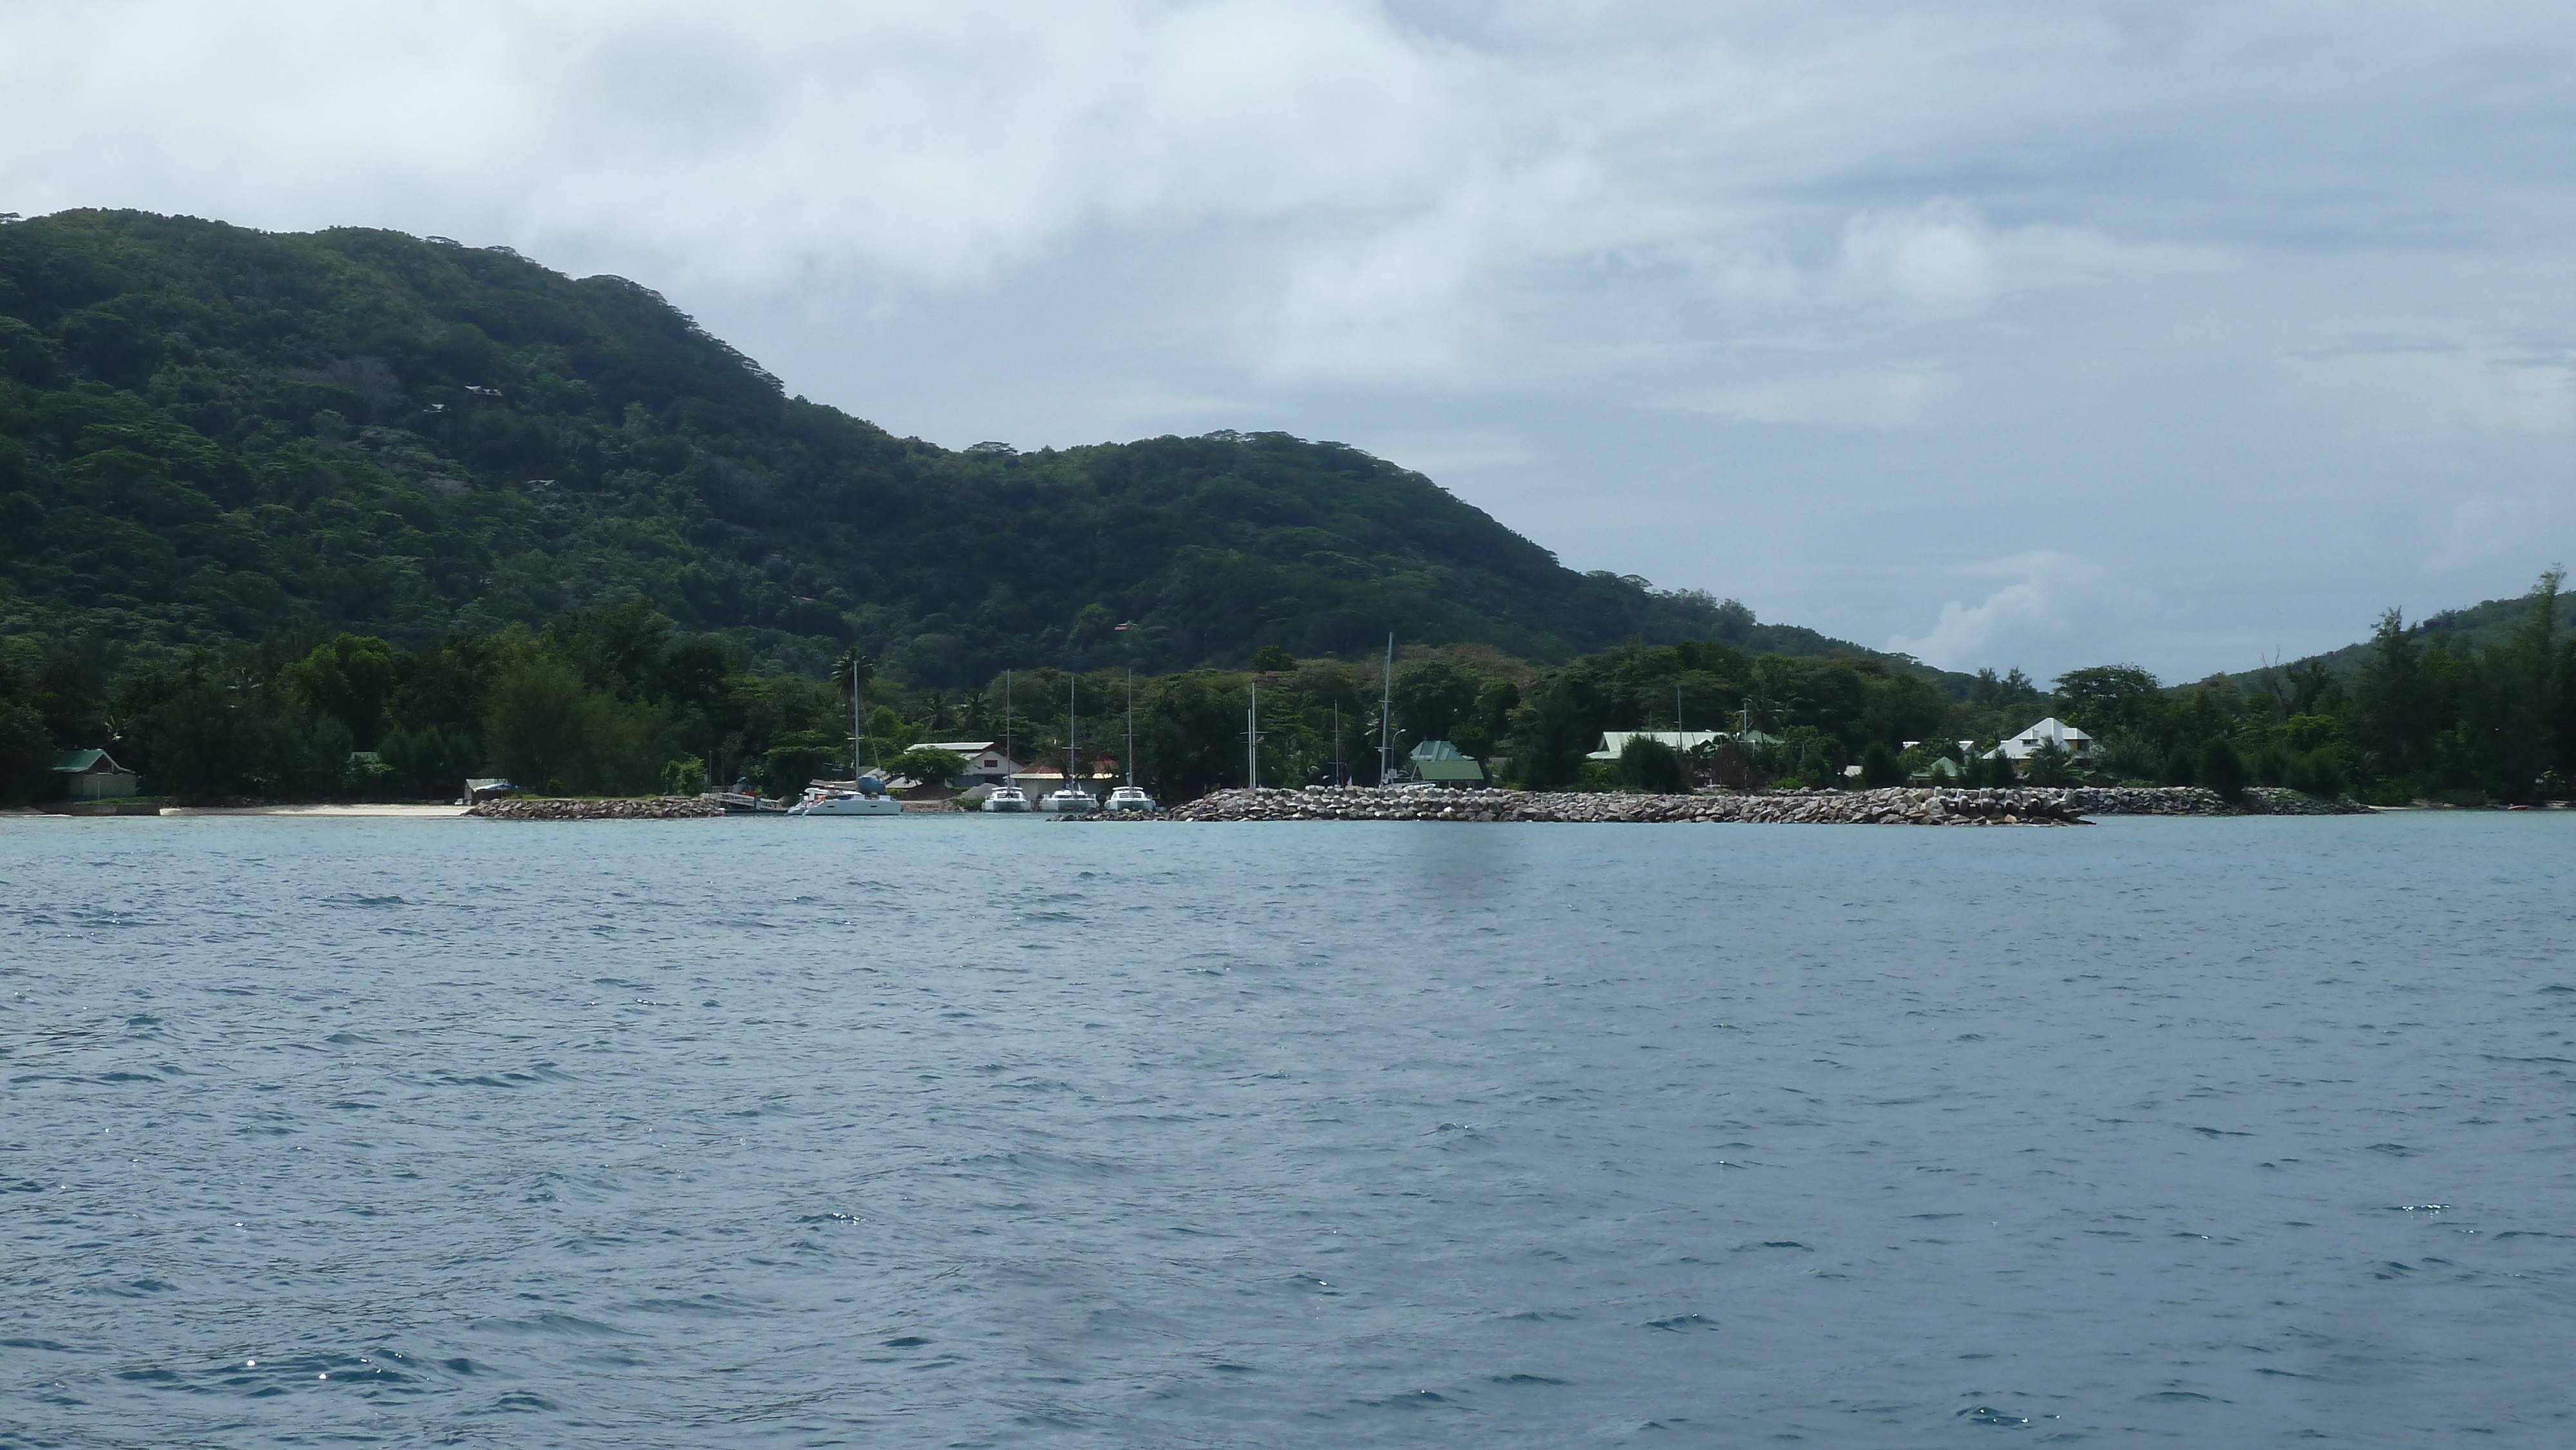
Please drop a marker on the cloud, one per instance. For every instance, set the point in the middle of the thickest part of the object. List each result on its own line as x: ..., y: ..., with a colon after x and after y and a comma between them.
x: 2053, y: 600
x: 1935, y: 257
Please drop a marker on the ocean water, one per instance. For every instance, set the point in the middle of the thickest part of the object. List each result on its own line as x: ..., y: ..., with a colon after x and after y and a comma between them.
x: 964, y: 1132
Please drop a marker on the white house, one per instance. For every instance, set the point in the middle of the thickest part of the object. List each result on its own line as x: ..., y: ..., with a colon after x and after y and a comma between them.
x: 2049, y: 731
x: 1685, y: 741
x: 985, y: 762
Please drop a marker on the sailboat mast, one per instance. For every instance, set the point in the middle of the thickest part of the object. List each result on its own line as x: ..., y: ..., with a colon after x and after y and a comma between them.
x: 1131, y: 724
x: 1386, y: 717
x: 1252, y: 740
x: 1006, y: 717
x: 1072, y: 722
x: 1338, y: 772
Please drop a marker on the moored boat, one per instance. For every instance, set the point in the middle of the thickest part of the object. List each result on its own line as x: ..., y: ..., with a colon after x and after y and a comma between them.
x: 1006, y: 798
x: 863, y: 797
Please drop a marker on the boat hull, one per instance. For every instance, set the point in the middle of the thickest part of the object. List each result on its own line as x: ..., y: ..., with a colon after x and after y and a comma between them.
x: 850, y: 806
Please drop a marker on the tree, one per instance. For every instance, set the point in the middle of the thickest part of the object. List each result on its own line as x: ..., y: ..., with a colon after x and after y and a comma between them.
x: 26, y: 755
x: 349, y: 679
x: 542, y: 726
x: 1650, y: 766
x: 928, y: 766
x: 2049, y: 765
x: 1879, y: 767
x: 2178, y: 769
x: 1552, y: 732
x: 1270, y: 659
x: 2222, y: 769
x: 2111, y: 698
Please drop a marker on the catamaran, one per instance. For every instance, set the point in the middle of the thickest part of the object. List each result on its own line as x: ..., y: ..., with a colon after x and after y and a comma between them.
x: 1129, y: 797
x: 1070, y: 799
x: 1006, y: 798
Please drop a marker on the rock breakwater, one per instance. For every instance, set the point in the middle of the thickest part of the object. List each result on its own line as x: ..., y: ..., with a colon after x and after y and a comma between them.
x: 2027, y: 806
x: 650, y: 808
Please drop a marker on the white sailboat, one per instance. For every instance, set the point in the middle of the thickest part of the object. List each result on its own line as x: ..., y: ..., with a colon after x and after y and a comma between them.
x: 863, y: 796
x: 1070, y: 799
x: 1006, y: 798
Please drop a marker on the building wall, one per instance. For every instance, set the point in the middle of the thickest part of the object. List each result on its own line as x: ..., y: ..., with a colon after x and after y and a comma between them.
x: 100, y: 785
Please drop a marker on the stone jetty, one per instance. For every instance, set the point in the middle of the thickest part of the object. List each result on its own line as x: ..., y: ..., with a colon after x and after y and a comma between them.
x: 648, y: 808
x: 2025, y: 806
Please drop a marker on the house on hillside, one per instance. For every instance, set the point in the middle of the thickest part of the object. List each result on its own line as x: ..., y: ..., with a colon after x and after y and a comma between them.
x: 2051, y: 731
x: 93, y: 775
x: 1437, y: 762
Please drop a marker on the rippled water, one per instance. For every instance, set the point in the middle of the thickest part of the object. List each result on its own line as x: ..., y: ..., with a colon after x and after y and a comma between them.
x: 997, y: 1132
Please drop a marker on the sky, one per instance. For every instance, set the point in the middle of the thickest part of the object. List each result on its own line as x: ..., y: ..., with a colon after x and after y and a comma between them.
x: 2029, y: 333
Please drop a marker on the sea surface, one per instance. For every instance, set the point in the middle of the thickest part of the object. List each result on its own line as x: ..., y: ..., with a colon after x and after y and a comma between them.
x: 966, y: 1132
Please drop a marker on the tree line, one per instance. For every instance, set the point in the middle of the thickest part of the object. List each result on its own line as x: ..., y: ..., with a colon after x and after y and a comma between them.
x: 619, y: 701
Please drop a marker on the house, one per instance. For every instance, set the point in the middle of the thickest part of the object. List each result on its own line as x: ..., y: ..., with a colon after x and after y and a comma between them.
x: 2051, y: 731
x: 1438, y: 762
x: 1684, y: 741
x: 92, y: 775
x: 985, y: 762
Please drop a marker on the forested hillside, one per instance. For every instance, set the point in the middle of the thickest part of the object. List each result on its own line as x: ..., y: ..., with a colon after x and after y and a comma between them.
x: 208, y: 433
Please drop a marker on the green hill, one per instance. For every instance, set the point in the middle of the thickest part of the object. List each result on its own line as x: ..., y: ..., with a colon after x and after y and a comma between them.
x: 2465, y: 632
x: 207, y: 433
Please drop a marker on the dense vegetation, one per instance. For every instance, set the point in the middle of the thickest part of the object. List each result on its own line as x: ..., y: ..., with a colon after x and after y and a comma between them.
x: 2425, y: 713
x: 617, y: 701
x: 209, y: 434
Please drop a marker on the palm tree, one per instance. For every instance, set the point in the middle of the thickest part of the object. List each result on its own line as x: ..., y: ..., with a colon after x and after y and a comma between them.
x: 852, y: 671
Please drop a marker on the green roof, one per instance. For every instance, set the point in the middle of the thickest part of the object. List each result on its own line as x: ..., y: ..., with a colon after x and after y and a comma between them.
x: 77, y: 762
x: 1436, y: 750
x: 1459, y: 769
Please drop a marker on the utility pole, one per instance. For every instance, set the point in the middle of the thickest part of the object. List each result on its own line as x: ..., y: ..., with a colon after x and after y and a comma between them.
x: 1680, y: 745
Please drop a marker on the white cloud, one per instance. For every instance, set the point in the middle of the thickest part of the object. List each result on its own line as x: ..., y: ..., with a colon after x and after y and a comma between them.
x: 2052, y: 602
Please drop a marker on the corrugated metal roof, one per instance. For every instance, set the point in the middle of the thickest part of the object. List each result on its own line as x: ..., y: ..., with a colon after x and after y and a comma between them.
x: 81, y: 762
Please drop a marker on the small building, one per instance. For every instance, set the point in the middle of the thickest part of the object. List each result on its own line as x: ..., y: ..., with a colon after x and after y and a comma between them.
x: 2051, y: 731
x: 1437, y: 762
x: 985, y: 762
x: 1682, y: 741
x: 93, y: 775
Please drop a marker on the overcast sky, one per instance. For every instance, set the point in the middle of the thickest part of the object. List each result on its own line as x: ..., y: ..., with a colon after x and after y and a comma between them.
x: 2022, y: 332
